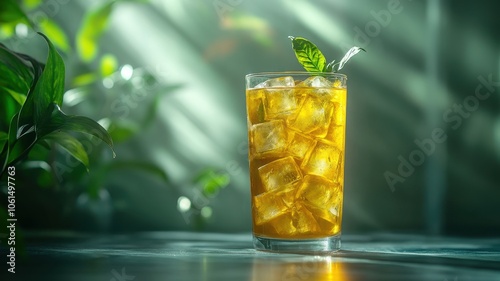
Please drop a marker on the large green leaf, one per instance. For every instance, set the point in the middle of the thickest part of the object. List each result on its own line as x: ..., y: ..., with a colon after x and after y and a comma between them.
x: 48, y: 89
x: 8, y: 108
x: 40, y: 116
x: 19, y: 98
x: 71, y: 145
x: 308, y: 55
x: 94, y: 24
x: 17, y: 74
x: 20, y: 140
x: 59, y: 121
x: 3, y: 138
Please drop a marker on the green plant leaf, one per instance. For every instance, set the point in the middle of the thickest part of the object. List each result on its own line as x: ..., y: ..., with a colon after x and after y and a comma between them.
x: 55, y: 33
x: 20, y: 141
x: 71, y: 123
x: 8, y: 108
x: 17, y: 74
x: 308, y: 55
x: 94, y: 24
x: 48, y: 89
x: 40, y: 115
x: 71, y: 145
x: 311, y: 58
x: 19, y: 98
x: 3, y: 138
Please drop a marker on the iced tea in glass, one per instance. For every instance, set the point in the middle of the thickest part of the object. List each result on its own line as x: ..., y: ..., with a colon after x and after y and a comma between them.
x: 296, y: 132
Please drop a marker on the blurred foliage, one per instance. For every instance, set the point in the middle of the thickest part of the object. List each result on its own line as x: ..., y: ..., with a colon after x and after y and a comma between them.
x: 32, y: 94
x: 38, y: 90
x: 195, y: 204
x: 211, y: 182
x: 55, y: 33
x: 47, y: 166
x: 93, y: 26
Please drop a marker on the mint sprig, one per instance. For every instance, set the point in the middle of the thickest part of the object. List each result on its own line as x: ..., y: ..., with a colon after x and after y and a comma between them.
x: 313, y: 60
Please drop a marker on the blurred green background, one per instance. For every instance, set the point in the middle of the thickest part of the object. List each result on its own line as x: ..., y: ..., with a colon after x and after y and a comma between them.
x: 166, y: 78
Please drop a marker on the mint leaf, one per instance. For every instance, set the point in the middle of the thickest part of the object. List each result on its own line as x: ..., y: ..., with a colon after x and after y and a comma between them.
x: 354, y: 50
x: 309, y: 56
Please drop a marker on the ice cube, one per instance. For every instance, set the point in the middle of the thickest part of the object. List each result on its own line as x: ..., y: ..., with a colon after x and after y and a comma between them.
x: 319, y: 192
x: 338, y: 115
x: 313, y: 117
x: 298, y: 144
x: 255, y: 106
x: 286, y: 81
x: 280, y: 173
x: 336, y: 135
x: 340, y: 171
x: 284, y: 224
x: 279, y: 103
x: 272, y: 204
x: 316, y: 82
x: 323, y: 160
x: 298, y: 220
x: 322, y: 198
x: 304, y: 220
x: 268, y: 138
x: 329, y: 222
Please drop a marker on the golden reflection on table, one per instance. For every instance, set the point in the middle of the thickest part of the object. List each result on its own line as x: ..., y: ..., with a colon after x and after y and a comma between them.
x: 313, y: 268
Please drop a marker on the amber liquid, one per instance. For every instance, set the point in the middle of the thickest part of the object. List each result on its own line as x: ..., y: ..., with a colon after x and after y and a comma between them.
x: 296, y: 153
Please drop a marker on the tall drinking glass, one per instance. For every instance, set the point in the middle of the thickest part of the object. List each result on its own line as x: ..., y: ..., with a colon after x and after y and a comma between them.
x: 296, y: 133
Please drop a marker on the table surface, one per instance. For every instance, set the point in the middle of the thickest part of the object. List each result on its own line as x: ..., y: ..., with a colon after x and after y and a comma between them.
x: 208, y: 256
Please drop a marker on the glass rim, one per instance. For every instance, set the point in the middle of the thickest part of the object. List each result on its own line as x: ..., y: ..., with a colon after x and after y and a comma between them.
x: 293, y: 72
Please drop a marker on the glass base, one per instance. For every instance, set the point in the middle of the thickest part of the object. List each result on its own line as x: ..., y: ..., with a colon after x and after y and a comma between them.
x: 317, y: 246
